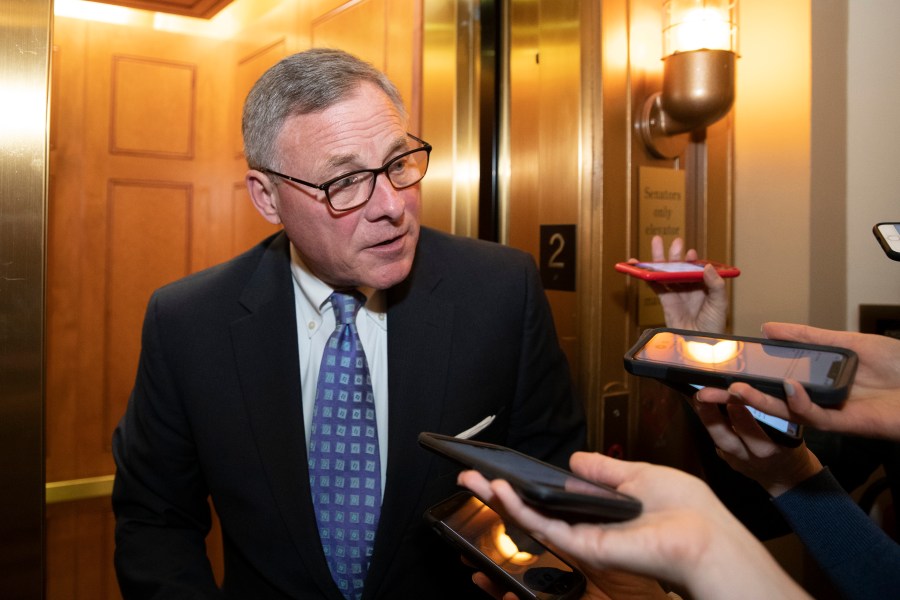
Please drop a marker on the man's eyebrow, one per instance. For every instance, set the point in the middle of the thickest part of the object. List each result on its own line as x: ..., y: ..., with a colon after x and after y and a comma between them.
x: 352, y: 160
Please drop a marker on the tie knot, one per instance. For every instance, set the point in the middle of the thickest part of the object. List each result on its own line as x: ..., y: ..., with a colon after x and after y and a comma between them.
x: 346, y: 305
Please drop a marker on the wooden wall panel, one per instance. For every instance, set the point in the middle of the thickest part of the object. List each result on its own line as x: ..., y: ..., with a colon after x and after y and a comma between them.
x: 249, y: 226
x: 365, y: 19
x: 248, y: 70
x: 152, y: 108
x: 148, y: 246
x: 80, y: 545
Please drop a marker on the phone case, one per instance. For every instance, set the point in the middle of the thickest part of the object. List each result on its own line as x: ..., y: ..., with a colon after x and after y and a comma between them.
x: 552, y: 501
x: 681, y: 375
x: 648, y: 274
x: 553, y: 585
x: 884, y: 243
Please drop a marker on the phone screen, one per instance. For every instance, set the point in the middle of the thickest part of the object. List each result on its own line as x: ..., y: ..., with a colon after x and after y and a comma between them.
x: 482, y: 534
x: 672, y: 267
x: 716, y: 355
x: 774, y: 422
x: 891, y: 231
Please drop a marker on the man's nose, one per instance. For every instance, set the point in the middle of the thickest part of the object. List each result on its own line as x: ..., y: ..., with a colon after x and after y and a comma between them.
x: 386, y: 199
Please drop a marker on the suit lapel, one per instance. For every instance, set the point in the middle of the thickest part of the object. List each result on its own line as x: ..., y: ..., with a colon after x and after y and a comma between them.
x: 265, y: 346
x: 419, y: 335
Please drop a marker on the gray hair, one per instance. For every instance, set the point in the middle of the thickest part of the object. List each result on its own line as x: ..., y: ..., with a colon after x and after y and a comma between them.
x: 303, y: 83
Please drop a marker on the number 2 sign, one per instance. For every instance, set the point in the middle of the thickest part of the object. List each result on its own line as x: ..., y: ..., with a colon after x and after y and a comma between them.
x: 558, y: 257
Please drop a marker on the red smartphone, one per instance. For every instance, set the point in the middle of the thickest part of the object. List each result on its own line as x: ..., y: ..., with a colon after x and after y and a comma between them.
x: 674, y: 271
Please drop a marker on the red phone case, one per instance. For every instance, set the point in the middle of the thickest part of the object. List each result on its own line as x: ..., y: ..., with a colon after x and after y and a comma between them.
x: 648, y: 273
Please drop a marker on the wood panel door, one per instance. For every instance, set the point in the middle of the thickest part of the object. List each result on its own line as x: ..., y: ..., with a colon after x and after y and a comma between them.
x: 142, y: 192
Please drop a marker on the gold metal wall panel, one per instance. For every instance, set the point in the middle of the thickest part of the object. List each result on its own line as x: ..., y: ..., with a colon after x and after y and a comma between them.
x: 24, y: 81
x: 545, y: 142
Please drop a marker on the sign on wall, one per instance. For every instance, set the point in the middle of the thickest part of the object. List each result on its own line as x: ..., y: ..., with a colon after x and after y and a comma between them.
x: 661, y: 202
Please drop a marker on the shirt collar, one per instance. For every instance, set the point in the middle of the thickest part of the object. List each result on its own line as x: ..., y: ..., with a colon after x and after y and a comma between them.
x: 314, y: 294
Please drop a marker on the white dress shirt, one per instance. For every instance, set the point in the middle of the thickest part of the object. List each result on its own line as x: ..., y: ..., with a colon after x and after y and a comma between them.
x: 315, y: 324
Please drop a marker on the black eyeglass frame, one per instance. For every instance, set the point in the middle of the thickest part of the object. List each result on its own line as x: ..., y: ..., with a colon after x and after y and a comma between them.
x: 375, y: 173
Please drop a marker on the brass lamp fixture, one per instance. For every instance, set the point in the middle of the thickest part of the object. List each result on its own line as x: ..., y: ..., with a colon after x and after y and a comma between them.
x: 699, y: 51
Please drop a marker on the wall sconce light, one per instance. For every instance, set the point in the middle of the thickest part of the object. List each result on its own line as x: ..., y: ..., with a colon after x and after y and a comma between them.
x: 699, y: 51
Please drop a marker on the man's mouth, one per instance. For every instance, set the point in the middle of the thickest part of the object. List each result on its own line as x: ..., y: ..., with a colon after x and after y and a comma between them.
x: 387, y: 242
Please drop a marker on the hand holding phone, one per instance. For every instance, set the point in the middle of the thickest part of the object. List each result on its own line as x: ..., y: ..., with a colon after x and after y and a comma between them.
x: 718, y: 360
x: 506, y: 554
x: 674, y: 271
x: 549, y: 489
x: 780, y: 431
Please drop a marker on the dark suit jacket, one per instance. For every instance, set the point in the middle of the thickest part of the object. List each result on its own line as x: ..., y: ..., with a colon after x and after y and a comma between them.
x: 215, y: 412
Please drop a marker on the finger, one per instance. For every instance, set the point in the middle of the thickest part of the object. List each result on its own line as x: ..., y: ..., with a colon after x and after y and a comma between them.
x: 476, y: 482
x: 752, y: 435
x: 512, y: 508
x: 720, y: 429
x: 713, y: 280
x: 489, y: 587
x: 602, y: 469
x: 676, y: 249
x: 749, y: 395
x: 657, y: 252
x: 802, y: 409
x: 711, y: 395
x: 804, y: 333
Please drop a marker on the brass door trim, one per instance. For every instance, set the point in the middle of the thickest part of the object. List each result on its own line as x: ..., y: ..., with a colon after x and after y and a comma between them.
x: 78, y: 489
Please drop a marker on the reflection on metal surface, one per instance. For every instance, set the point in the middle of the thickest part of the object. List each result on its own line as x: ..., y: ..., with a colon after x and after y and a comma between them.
x: 24, y: 76
x: 79, y: 489
x: 450, y: 73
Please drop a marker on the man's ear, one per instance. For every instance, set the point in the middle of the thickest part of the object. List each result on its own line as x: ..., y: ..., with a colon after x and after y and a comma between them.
x: 264, y: 195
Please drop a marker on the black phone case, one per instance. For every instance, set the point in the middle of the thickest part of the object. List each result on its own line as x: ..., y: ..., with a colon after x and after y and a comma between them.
x: 673, y: 375
x: 570, y: 507
x: 891, y: 253
x: 436, y: 515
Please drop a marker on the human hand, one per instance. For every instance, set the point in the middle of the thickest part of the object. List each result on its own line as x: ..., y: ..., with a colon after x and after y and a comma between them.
x: 698, y: 306
x: 747, y: 449
x: 873, y: 407
x: 684, y: 535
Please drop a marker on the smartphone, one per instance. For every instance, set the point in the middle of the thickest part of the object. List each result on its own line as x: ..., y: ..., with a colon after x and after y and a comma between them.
x: 506, y: 554
x: 718, y: 360
x: 674, y: 271
x: 553, y: 491
x: 781, y: 431
x: 888, y: 235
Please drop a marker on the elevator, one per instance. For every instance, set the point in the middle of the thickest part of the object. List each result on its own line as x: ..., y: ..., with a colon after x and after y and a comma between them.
x: 133, y: 177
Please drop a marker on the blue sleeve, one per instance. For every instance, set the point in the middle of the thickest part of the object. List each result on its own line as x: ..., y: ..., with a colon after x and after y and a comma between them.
x: 860, y: 558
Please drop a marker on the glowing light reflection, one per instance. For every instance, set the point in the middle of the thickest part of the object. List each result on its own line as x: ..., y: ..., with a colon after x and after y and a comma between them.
x: 508, y: 548
x: 719, y: 352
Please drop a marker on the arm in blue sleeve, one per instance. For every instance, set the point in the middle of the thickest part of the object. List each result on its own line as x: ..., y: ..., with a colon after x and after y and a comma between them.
x: 860, y: 558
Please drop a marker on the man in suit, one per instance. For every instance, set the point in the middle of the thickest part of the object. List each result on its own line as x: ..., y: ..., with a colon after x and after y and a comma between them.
x: 455, y: 332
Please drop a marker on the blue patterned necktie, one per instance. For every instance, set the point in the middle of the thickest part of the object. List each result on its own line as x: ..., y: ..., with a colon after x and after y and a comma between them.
x: 344, y: 461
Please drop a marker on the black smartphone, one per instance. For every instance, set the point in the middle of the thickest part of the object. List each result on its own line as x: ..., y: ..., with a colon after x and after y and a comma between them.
x: 682, y: 356
x: 506, y: 554
x: 553, y: 491
x: 888, y: 235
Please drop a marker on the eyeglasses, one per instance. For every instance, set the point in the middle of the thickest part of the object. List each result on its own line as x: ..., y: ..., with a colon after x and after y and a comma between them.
x: 352, y: 190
